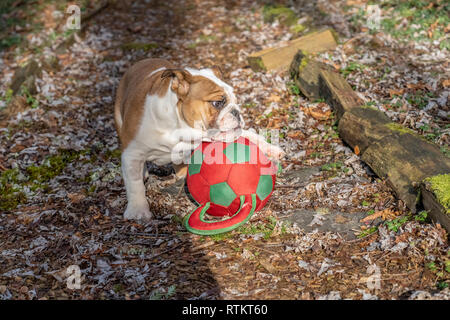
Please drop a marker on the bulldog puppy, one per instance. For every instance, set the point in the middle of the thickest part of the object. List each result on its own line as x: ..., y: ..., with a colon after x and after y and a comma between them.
x: 162, y: 112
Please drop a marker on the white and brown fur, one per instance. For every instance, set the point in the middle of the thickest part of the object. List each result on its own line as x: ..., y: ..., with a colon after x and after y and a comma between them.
x: 160, y: 108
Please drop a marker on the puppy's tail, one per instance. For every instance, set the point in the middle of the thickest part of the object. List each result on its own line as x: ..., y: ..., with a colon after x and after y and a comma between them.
x: 118, y: 117
x: 118, y: 108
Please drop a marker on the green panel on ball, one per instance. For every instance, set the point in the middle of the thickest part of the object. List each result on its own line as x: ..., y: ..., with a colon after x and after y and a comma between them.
x: 195, y: 164
x: 221, y: 194
x: 237, y: 152
x: 264, y: 187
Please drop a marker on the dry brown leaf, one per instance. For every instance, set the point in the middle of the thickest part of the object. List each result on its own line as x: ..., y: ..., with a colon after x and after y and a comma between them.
x: 317, y: 113
x: 384, y: 214
x: 393, y: 92
x: 76, y: 197
x: 267, y: 265
x: 274, y: 98
x: 372, y: 216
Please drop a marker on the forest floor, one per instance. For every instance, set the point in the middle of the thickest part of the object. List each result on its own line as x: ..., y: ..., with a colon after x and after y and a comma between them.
x: 341, y: 235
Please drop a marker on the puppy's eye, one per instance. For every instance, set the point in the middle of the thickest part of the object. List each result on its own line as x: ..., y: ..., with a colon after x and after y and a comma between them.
x: 218, y: 104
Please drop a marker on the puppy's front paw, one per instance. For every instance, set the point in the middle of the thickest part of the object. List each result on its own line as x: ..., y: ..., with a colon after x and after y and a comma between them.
x: 134, y: 212
x: 274, y: 153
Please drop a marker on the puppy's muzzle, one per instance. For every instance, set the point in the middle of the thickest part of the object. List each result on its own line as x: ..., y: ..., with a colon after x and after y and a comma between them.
x: 236, y: 114
x: 230, y: 118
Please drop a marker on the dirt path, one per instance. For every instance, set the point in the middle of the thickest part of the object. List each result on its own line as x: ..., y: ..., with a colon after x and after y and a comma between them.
x: 301, y: 246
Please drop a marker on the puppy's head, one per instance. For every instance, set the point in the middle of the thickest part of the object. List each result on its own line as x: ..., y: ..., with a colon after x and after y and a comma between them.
x: 204, y: 101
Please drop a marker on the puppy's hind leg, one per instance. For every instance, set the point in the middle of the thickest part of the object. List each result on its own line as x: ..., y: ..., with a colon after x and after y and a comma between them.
x: 133, y: 161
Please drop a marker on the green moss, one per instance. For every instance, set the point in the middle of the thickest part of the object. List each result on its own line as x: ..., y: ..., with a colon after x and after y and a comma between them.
x: 34, y: 178
x: 113, y: 154
x: 139, y: 46
x: 303, y: 64
x: 282, y: 14
x: 440, y: 186
x: 256, y: 64
x: 335, y: 35
x: 370, y: 105
x: 298, y: 28
x: 10, y: 193
x: 53, y: 166
x: 399, y: 128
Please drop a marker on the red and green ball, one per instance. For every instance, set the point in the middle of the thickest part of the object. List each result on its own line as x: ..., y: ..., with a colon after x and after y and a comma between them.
x: 230, y: 180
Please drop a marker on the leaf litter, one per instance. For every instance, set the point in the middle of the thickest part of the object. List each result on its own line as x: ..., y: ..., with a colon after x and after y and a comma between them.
x: 75, y: 217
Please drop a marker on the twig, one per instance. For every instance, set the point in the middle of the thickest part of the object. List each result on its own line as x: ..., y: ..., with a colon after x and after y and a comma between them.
x: 166, y: 251
x: 302, y: 185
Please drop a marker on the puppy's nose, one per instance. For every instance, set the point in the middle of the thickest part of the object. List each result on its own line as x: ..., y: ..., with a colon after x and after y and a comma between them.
x: 236, y: 114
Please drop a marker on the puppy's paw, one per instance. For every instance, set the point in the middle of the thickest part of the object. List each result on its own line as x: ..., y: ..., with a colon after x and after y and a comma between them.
x: 275, y: 153
x: 134, y: 212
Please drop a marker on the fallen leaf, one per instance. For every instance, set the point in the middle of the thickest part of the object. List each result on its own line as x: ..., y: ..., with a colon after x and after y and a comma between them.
x: 274, y: 98
x: 384, y: 214
x: 76, y: 197
x: 393, y: 92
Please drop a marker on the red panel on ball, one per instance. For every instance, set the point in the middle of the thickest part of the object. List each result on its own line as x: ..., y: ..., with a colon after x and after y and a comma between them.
x: 243, y: 178
x: 198, y: 187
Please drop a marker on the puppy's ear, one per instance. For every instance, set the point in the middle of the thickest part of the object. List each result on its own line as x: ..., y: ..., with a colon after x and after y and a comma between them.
x: 181, y: 80
x: 217, y: 71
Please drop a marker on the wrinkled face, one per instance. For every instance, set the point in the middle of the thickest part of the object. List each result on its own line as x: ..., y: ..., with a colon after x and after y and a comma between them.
x: 206, y: 102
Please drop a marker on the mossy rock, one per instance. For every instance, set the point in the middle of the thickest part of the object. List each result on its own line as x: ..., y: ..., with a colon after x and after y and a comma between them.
x: 440, y: 186
x: 405, y: 161
x: 305, y: 71
x: 435, y: 196
x: 284, y: 15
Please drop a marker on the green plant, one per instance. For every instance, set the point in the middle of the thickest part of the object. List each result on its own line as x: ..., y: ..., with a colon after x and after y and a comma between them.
x: 10, y: 41
x: 7, y: 97
x: 432, y: 266
x: 293, y: 88
x: 352, y: 66
x: 159, y: 294
x: 31, y: 101
x: 421, y: 216
x: 367, y: 232
x: 441, y: 285
x: 365, y: 203
x: 335, y: 166
x: 265, y: 228
x: 395, y: 224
